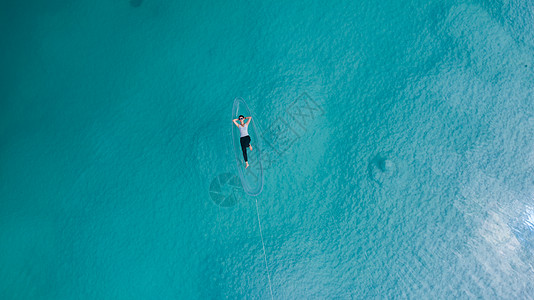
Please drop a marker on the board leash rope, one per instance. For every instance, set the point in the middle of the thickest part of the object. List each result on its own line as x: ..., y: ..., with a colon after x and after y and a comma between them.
x: 263, y: 244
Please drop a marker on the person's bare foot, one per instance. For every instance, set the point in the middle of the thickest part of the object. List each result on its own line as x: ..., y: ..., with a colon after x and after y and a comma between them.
x: 250, y: 147
x: 246, y: 165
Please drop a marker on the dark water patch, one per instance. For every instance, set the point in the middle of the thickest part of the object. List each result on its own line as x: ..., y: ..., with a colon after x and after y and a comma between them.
x: 136, y: 3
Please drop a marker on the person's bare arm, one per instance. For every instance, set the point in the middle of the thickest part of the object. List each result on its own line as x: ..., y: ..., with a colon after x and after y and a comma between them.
x: 235, y: 122
x: 249, y: 118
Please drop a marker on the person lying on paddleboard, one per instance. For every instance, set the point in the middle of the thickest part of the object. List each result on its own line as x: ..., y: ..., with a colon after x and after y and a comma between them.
x: 245, y: 138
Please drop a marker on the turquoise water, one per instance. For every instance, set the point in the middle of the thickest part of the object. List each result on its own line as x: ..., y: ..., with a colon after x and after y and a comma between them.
x: 410, y: 175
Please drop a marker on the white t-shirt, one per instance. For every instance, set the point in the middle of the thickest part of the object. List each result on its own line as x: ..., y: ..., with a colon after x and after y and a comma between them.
x: 243, y: 129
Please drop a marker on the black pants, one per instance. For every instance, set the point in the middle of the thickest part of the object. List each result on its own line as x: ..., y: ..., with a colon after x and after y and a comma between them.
x: 245, y: 142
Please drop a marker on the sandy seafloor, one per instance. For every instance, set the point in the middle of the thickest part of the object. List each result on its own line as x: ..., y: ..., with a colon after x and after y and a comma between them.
x: 413, y: 177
